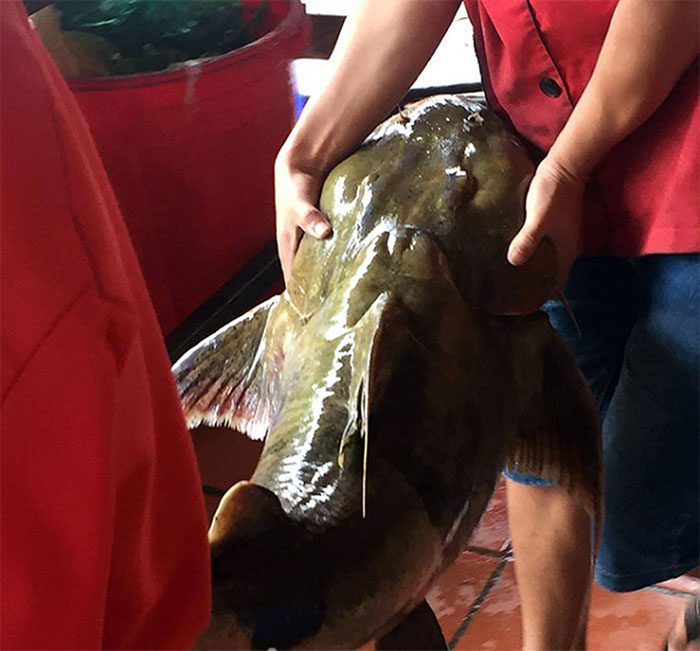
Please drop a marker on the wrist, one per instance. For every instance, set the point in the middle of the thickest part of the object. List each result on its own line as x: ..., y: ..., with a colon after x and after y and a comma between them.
x: 564, y: 169
x: 294, y: 159
x: 302, y: 154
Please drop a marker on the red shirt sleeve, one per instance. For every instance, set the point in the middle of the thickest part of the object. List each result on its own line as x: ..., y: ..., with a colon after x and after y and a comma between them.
x: 102, y: 526
x: 103, y: 533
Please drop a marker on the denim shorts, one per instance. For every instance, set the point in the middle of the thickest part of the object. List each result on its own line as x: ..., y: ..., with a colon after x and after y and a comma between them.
x: 638, y: 344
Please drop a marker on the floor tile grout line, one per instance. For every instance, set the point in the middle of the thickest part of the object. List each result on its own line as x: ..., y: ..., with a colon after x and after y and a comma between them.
x: 485, y: 551
x: 490, y: 583
x: 669, y: 591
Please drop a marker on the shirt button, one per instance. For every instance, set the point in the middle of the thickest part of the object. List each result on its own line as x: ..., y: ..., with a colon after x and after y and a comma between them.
x: 550, y: 87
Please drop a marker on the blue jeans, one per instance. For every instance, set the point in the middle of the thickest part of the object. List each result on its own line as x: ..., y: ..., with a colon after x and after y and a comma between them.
x: 639, y: 348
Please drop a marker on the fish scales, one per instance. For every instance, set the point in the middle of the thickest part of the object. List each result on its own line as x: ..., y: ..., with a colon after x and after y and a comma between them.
x: 405, y: 365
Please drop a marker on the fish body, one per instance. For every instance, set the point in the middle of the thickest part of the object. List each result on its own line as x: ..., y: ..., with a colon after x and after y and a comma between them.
x: 403, y: 368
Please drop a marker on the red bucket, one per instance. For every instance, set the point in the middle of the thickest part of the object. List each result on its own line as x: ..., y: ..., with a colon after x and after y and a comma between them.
x: 190, y: 155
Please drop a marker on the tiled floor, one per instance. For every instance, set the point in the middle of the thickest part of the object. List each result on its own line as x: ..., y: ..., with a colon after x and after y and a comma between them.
x: 478, y: 606
x: 476, y: 600
x: 634, y: 621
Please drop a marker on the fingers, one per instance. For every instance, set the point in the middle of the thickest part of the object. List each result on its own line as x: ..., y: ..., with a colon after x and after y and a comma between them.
x: 538, y: 205
x: 313, y: 222
x: 300, y: 219
x: 297, y: 194
x: 287, y: 244
x: 553, y: 210
x: 524, y: 244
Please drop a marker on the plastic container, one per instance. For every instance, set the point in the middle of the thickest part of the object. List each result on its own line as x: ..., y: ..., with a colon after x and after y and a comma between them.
x: 190, y: 155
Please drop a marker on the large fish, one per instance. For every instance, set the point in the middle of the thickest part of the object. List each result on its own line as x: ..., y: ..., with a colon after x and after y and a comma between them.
x: 404, y: 366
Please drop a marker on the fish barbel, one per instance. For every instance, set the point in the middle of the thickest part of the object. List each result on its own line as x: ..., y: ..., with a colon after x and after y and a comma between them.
x: 405, y: 365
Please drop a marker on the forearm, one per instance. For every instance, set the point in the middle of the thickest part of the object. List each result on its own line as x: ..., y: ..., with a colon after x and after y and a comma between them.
x: 650, y: 43
x: 383, y: 47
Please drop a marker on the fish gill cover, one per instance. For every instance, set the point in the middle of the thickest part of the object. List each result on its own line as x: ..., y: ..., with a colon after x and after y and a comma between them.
x: 151, y: 35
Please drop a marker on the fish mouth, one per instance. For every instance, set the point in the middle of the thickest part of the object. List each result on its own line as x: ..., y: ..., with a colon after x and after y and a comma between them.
x: 264, y: 595
x: 283, y: 627
x: 273, y: 618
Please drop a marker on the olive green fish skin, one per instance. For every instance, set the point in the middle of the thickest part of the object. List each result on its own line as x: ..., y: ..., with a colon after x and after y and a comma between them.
x: 451, y: 170
x: 447, y: 185
x: 403, y: 367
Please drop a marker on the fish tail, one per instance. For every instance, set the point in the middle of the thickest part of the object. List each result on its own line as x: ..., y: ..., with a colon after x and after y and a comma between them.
x: 563, y: 444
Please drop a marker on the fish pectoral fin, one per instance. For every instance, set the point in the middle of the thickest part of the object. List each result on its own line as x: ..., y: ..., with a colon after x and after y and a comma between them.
x: 365, y: 336
x: 362, y: 340
x: 417, y: 630
x: 230, y: 379
x: 562, y: 440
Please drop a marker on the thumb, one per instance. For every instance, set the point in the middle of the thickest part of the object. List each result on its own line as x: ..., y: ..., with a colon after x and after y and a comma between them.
x: 314, y: 222
x: 524, y: 245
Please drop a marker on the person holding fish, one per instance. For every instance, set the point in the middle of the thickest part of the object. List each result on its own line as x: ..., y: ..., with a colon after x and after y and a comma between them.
x: 606, y: 93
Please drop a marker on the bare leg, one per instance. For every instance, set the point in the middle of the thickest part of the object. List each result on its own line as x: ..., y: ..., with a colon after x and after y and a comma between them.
x: 685, y: 634
x: 551, y: 541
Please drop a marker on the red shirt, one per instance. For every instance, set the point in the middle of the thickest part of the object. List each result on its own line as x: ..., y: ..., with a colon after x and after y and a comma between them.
x: 103, y: 533
x: 536, y: 58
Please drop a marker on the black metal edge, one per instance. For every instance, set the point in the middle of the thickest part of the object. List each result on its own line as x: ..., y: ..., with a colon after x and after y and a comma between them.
x: 32, y: 6
x: 213, y: 491
x: 237, y: 295
x: 416, y: 94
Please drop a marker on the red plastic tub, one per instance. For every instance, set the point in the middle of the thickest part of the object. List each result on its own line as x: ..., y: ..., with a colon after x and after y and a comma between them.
x: 190, y: 155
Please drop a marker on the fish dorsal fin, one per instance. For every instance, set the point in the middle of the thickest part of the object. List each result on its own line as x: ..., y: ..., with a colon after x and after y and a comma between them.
x: 231, y: 378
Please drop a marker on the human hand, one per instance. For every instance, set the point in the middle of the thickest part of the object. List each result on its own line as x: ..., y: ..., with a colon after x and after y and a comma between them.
x: 297, y: 193
x: 553, y: 209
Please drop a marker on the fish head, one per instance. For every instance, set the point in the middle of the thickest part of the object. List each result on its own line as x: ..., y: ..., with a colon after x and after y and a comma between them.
x: 447, y: 167
x: 488, y: 215
x: 266, y: 592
